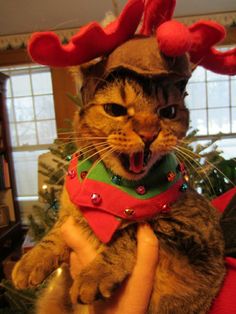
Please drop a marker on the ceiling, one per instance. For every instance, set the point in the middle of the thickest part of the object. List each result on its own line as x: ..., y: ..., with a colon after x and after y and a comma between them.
x: 25, y: 16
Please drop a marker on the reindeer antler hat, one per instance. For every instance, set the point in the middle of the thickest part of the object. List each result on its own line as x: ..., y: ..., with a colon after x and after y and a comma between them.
x: 163, y: 46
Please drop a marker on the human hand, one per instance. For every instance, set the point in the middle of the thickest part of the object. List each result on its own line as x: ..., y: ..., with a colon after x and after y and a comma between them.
x: 133, y: 296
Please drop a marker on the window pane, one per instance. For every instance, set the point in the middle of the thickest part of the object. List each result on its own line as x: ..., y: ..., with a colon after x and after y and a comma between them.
x: 41, y: 83
x: 199, y: 75
x: 24, y: 109
x: 228, y: 147
x: 234, y: 121
x: 218, y: 94
x: 21, y: 85
x: 44, y: 107
x: 211, y: 76
x: 13, y: 135
x: 26, y: 133
x: 219, y: 121
x: 46, y: 132
x: 197, y: 96
x: 8, y: 87
x: 199, y: 121
x: 10, y: 110
x: 233, y: 93
x: 26, y: 171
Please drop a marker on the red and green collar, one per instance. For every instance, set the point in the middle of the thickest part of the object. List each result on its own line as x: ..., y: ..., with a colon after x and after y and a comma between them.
x: 106, y: 200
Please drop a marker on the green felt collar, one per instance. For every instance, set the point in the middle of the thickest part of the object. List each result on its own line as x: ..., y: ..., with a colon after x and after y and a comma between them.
x: 155, y: 182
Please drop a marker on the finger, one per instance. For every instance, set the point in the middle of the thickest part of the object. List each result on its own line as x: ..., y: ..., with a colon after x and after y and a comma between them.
x: 138, y: 288
x: 133, y: 297
x: 75, y: 238
x: 76, y: 265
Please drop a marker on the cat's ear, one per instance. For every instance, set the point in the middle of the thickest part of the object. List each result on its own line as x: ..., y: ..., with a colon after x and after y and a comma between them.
x: 181, y: 85
x: 91, y: 76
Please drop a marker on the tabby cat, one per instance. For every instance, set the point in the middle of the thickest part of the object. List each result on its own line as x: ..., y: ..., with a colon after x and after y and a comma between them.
x: 132, y: 120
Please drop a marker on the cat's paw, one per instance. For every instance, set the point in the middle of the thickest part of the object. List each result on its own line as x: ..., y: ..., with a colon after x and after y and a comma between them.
x: 95, y: 283
x: 32, y: 269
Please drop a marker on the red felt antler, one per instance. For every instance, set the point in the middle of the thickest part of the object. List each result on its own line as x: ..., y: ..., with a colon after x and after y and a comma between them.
x: 156, y: 12
x: 90, y: 42
x: 174, y: 38
x: 198, y: 40
x: 220, y: 62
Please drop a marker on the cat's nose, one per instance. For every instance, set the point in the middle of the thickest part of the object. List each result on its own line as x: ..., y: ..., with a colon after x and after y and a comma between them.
x: 147, y: 136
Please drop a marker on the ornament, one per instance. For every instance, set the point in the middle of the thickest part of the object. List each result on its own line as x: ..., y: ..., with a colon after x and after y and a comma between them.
x: 181, y: 167
x: 184, y: 187
x: 96, y: 198
x: 45, y: 187
x: 68, y: 158
x: 171, y: 175
x: 55, y: 205
x: 165, y: 209
x: 141, y: 190
x: 71, y: 174
x: 83, y: 174
x: 129, y: 212
x: 186, y: 178
x: 116, y: 180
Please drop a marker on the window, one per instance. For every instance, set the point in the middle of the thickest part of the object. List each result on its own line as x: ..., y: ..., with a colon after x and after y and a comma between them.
x: 32, y: 123
x: 212, y: 104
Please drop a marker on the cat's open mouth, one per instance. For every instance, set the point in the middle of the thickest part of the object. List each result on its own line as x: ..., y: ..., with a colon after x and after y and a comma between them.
x: 136, y: 162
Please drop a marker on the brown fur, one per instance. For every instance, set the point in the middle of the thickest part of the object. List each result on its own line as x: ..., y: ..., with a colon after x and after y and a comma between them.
x: 191, y: 266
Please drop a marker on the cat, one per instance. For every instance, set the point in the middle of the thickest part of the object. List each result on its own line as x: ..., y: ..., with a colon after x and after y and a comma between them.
x: 133, y: 123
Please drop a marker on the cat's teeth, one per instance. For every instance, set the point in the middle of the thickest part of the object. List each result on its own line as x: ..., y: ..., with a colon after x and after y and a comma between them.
x: 136, y: 162
x: 147, y: 156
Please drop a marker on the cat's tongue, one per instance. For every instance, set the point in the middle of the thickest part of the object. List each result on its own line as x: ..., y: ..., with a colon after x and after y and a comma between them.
x: 136, y: 162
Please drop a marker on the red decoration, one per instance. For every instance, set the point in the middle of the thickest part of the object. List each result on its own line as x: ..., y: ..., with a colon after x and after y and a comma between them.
x: 129, y: 212
x: 171, y: 176
x: 83, y: 174
x: 141, y: 190
x: 166, y: 33
x: 71, y: 174
x: 96, y: 199
x: 181, y: 167
x: 165, y: 209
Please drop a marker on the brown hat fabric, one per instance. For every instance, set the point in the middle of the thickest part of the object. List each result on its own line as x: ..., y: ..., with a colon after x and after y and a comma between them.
x: 142, y: 56
x: 139, y: 55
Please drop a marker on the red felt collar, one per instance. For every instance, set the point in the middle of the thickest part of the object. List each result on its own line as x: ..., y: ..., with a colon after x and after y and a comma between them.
x: 114, y: 206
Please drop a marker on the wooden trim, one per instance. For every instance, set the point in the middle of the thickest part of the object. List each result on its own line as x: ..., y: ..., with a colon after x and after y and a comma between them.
x: 14, y: 57
x: 63, y: 84
x: 231, y: 36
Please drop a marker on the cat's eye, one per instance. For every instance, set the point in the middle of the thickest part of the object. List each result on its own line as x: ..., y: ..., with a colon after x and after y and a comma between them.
x: 115, y: 110
x: 168, y: 112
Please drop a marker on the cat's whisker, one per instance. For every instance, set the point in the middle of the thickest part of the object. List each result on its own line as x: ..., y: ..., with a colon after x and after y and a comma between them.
x: 93, y: 155
x: 71, y: 142
x: 198, y: 164
x: 96, y: 153
x: 83, y: 138
x: 195, y: 170
x: 100, y: 159
x: 189, y: 154
x: 89, y: 157
x: 88, y: 149
x: 184, y: 141
x: 210, y: 164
